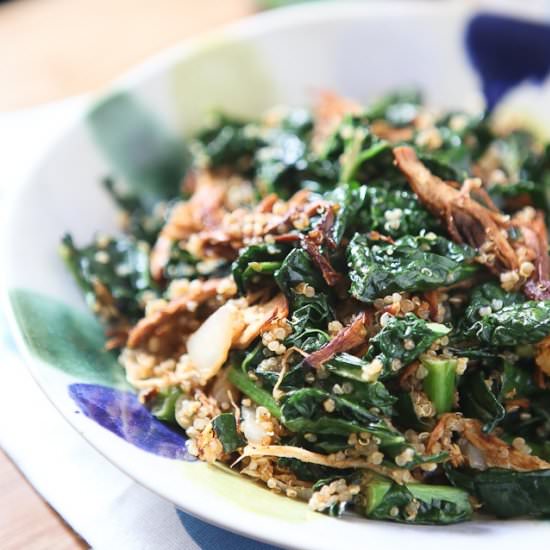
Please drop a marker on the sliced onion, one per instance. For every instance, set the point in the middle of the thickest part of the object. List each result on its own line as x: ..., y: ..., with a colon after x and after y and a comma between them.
x: 209, y: 346
x: 252, y: 429
x: 475, y: 457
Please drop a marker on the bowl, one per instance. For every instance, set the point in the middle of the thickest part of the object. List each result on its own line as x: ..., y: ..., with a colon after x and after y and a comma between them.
x: 460, y: 55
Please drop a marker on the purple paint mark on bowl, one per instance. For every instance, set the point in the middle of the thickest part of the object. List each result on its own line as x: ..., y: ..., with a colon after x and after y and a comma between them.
x: 506, y: 51
x: 122, y: 414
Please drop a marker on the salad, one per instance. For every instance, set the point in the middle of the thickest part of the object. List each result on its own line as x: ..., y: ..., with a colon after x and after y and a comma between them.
x: 350, y: 305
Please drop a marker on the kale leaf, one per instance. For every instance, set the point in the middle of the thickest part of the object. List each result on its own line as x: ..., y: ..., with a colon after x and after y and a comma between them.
x: 410, y: 217
x: 304, y: 410
x: 463, y: 139
x: 359, y: 154
x: 307, y: 471
x: 282, y: 165
x: 414, y: 503
x: 349, y: 368
x: 528, y: 179
x: 142, y: 223
x: 389, y: 344
x: 113, y: 273
x: 230, y: 142
x: 256, y: 260
x: 405, y: 415
x: 309, y: 315
x: 532, y: 423
x: 312, y: 410
x: 506, y: 493
x: 486, y: 298
x: 244, y: 383
x: 350, y: 198
x: 298, y: 268
x: 377, y: 268
x: 514, y: 152
x: 522, y: 323
x: 477, y: 400
x: 225, y: 428
x: 517, y: 381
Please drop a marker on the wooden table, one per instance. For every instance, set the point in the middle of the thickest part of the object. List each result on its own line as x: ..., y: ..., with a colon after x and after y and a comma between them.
x: 26, y: 521
x: 50, y: 49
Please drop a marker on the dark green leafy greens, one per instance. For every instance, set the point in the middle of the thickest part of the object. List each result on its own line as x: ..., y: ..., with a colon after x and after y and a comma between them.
x: 477, y: 400
x: 225, y: 427
x: 311, y: 410
x: 410, y: 264
x: 305, y: 410
x: 485, y: 299
x: 401, y: 340
x: 113, y: 272
x: 244, y: 383
x: 524, y: 323
x: 255, y: 261
x: 283, y: 163
x: 506, y: 493
x: 415, y: 503
x: 356, y: 152
x: 229, y: 142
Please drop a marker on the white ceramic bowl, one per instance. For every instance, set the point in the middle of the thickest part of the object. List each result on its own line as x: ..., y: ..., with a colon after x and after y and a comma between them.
x: 357, y: 49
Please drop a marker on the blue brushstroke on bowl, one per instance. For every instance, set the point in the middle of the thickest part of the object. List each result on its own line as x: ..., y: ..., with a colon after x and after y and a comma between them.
x: 507, y: 51
x: 209, y: 537
x: 121, y: 413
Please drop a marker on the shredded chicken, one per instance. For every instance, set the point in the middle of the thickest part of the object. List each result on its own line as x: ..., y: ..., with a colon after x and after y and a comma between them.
x: 467, y: 220
x: 160, y: 321
x: 495, y: 452
x: 332, y: 461
x: 441, y: 437
x: 498, y: 453
x: 203, y: 210
x: 535, y: 234
x: 258, y: 317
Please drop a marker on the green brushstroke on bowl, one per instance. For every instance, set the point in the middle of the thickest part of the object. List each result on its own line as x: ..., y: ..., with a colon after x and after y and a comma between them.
x: 139, y: 148
x: 212, y: 80
x: 248, y: 495
x: 65, y: 338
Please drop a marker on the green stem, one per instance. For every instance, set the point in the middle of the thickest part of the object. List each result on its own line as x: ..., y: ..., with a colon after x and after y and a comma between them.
x: 440, y: 382
x: 247, y: 386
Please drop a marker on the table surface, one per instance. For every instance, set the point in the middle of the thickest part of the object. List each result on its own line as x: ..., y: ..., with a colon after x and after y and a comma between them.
x: 51, y: 49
